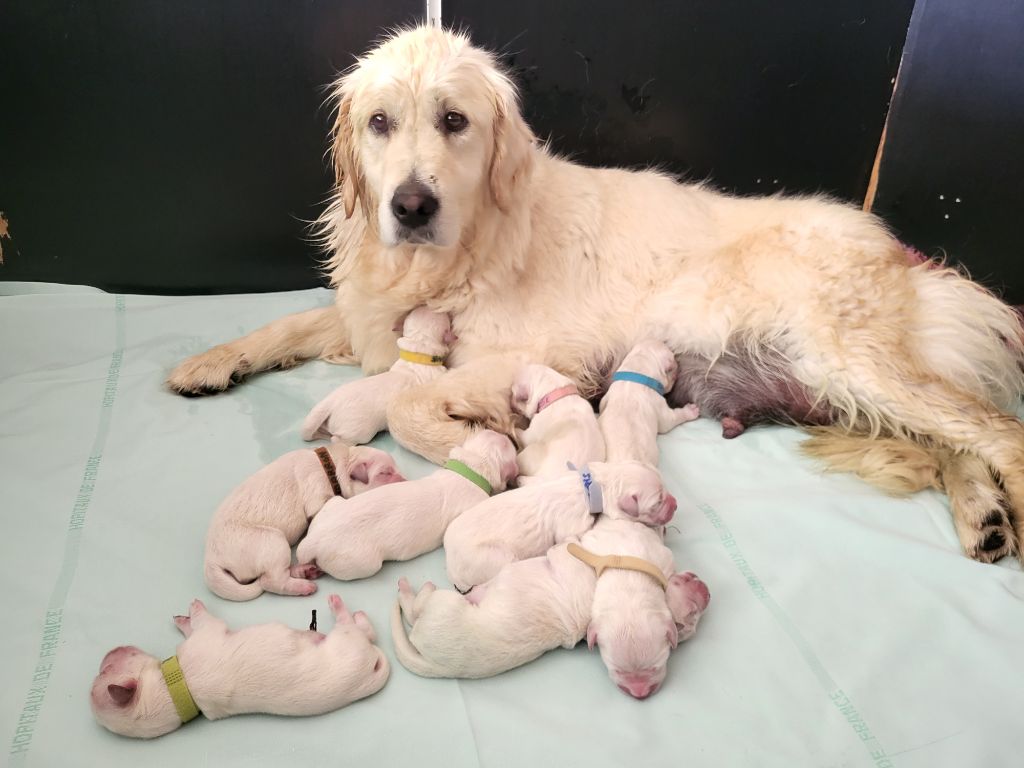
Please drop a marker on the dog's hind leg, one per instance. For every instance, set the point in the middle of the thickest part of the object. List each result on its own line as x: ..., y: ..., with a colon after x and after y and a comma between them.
x: 281, y: 344
x: 979, y: 509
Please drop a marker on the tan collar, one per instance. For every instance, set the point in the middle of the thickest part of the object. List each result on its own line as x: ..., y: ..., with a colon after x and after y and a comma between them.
x: 622, y: 562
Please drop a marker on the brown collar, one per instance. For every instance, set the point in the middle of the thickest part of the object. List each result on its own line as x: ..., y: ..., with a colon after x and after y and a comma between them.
x: 621, y: 562
x: 329, y: 469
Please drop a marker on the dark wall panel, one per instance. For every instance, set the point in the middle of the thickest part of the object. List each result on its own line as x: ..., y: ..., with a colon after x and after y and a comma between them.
x: 171, y: 145
x: 951, y: 180
x: 757, y: 95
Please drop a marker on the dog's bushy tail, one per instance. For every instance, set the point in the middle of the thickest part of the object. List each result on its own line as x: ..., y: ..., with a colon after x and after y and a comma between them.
x: 223, y: 584
x: 895, y: 464
x: 406, y: 652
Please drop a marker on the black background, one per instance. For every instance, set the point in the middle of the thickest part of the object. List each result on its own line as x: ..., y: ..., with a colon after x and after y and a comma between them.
x: 178, y: 146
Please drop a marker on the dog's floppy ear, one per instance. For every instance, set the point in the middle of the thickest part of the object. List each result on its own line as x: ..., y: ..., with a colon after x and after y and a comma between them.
x: 360, y: 472
x: 513, y: 149
x: 122, y: 695
x: 347, y: 173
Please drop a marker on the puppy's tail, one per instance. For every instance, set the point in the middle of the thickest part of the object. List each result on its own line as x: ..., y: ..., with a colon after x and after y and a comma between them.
x: 894, y: 464
x: 223, y: 584
x: 406, y: 652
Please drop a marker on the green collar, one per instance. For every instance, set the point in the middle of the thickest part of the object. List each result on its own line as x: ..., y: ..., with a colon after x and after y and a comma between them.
x: 180, y: 695
x: 474, y: 477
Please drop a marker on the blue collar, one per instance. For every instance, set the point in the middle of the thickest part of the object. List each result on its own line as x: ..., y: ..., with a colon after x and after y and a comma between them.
x: 639, y: 378
x: 591, y: 488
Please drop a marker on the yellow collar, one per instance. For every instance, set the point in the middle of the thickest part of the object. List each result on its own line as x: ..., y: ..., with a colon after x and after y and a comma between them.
x: 621, y: 562
x: 420, y: 357
x: 180, y: 694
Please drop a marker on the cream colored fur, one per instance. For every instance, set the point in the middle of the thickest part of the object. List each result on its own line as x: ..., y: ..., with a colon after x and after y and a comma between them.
x: 542, y: 260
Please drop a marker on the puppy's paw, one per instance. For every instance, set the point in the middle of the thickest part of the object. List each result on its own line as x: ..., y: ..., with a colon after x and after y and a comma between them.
x: 208, y: 373
x: 184, y: 625
x: 306, y: 571
x: 688, y: 412
x: 341, y: 613
x: 991, y: 537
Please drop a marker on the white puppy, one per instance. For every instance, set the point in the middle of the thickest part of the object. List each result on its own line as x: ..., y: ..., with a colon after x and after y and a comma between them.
x: 563, y: 427
x: 249, y: 541
x: 636, y: 620
x: 528, y: 521
x: 634, y: 410
x: 269, y: 668
x: 357, y: 411
x: 350, y: 539
x: 535, y: 605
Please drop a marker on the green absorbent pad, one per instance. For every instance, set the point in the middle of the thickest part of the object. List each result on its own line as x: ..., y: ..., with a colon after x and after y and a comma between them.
x: 845, y: 628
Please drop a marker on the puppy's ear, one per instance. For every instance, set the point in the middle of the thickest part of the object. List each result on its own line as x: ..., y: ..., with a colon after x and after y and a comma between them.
x: 630, y: 505
x: 512, y: 156
x: 122, y: 695
x: 672, y: 634
x: 347, y: 172
x: 360, y: 472
x: 591, y: 636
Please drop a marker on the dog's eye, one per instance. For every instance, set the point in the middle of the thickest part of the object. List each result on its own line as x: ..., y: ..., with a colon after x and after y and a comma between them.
x: 454, y: 122
x: 380, y: 124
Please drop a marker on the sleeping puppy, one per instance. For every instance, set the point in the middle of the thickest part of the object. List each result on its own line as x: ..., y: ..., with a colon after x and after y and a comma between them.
x: 249, y: 541
x: 634, y: 620
x: 350, y: 539
x: 634, y: 410
x: 535, y: 605
x: 528, y: 521
x: 562, y: 428
x: 268, y: 668
x: 356, y: 411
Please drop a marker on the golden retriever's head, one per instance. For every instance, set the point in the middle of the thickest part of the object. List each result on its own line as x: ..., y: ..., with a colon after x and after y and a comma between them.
x: 428, y: 132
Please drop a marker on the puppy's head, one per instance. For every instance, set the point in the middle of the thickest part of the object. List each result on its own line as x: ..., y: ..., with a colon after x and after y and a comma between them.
x: 492, y: 455
x: 634, y: 491
x: 652, y: 358
x: 531, y: 384
x: 635, y: 638
x: 424, y: 330
x: 361, y: 468
x: 428, y: 133
x: 129, y: 695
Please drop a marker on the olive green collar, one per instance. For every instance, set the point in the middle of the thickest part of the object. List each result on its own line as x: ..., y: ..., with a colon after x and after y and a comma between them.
x: 180, y: 694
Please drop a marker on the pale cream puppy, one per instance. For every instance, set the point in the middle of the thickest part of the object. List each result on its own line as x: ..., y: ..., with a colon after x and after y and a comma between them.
x: 633, y: 414
x: 268, y: 668
x: 527, y: 522
x: 355, y: 412
x: 535, y: 605
x: 563, y: 427
x: 351, y: 539
x: 249, y: 541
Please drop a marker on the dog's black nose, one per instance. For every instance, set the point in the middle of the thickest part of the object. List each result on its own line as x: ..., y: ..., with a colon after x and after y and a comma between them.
x: 413, y: 204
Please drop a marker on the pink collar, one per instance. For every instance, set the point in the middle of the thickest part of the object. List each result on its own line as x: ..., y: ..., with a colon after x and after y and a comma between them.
x: 556, y: 394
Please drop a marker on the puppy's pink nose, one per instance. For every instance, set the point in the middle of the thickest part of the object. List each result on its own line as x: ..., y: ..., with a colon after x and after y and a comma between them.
x: 639, y: 689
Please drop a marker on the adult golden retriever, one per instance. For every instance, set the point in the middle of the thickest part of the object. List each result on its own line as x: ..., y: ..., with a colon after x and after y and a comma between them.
x: 444, y: 197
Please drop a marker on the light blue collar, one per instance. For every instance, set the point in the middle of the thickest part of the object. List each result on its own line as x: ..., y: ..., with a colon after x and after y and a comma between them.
x: 639, y: 378
x: 591, y: 488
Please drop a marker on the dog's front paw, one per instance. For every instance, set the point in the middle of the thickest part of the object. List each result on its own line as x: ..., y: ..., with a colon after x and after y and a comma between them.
x: 213, y: 371
x: 990, y: 538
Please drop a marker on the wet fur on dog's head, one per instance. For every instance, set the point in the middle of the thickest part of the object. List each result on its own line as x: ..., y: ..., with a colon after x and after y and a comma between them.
x: 427, y: 107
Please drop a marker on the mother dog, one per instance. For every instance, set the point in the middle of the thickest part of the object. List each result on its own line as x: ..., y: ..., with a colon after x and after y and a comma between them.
x: 444, y: 197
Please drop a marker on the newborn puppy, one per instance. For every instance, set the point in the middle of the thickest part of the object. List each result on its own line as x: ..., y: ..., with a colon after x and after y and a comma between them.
x: 530, y: 607
x: 269, y: 668
x: 562, y: 428
x: 528, y: 521
x: 248, y: 544
x: 634, y: 410
x: 357, y: 411
x: 634, y: 620
x: 351, y: 539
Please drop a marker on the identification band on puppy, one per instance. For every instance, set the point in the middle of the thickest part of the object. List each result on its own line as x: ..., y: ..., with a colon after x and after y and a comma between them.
x: 420, y: 357
x: 329, y: 469
x: 591, y: 488
x: 180, y: 694
x: 619, y: 562
x: 639, y: 378
x: 474, y: 477
x: 555, y: 395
